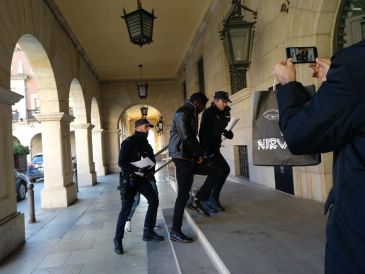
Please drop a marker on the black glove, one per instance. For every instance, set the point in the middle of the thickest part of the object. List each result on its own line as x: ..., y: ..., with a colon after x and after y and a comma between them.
x: 146, y: 170
x: 150, y: 177
x: 228, y: 134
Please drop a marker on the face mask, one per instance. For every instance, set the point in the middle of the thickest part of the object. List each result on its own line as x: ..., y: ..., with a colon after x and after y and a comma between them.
x: 144, y: 134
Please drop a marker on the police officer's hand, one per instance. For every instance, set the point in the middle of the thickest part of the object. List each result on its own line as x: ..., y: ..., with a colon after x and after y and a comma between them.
x: 228, y: 134
x: 145, y: 170
x: 151, y: 177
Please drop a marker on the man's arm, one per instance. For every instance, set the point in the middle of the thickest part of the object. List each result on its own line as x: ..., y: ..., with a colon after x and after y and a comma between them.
x: 323, y: 123
x: 186, y: 134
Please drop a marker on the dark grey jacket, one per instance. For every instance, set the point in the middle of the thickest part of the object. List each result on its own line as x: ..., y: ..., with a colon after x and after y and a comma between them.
x: 183, y: 143
x: 334, y: 120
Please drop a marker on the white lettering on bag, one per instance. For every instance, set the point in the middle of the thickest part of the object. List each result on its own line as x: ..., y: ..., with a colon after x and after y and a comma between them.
x: 271, y: 144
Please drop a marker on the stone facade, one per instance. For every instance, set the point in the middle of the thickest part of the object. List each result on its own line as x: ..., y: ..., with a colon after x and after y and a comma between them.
x: 308, y: 23
x: 57, y: 66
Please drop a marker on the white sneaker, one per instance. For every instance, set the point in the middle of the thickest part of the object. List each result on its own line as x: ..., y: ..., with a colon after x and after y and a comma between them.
x: 157, y: 226
x: 128, y: 226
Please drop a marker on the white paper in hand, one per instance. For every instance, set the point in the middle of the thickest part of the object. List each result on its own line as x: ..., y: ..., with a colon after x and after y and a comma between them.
x: 144, y: 162
x: 232, y: 123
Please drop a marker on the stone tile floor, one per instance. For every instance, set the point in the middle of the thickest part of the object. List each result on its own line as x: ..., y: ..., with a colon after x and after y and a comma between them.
x: 263, y: 231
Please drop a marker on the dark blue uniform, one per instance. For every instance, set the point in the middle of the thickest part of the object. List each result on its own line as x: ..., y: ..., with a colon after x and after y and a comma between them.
x: 132, y: 149
x: 334, y: 120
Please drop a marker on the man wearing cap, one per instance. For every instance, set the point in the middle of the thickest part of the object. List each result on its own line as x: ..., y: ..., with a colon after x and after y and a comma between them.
x: 133, y: 180
x: 212, y: 127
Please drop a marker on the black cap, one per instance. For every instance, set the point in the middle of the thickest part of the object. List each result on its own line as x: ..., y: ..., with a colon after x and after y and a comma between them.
x: 141, y: 122
x: 222, y: 95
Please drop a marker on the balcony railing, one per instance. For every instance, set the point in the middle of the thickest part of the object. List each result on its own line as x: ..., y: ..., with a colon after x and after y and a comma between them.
x: 30, y: 113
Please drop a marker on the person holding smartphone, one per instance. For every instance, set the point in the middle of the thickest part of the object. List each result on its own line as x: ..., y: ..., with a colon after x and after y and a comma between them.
x: 332, y: 120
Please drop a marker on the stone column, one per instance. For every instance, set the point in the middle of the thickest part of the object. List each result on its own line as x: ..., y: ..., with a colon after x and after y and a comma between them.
x: 111, y: 137
x: 86, y: 175
x: 97, y: 137
x: 59, y: 190
x: 11, y: 222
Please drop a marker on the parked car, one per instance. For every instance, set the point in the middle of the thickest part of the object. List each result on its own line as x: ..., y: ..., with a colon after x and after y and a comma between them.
x: 35, y: 169
x: 21, y: 184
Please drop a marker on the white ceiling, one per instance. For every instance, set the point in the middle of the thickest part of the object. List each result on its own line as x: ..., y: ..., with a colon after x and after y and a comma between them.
x: 103, y: 35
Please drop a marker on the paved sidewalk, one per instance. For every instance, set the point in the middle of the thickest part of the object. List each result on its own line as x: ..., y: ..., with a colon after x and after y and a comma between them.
x: 78, y: 239
x: 263, y: 231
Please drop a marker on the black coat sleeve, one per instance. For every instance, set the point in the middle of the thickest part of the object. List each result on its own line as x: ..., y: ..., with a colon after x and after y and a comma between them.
x: 205, y: 131
x: 186, y: 134
x: 325, y: 122
x: 126, y: 149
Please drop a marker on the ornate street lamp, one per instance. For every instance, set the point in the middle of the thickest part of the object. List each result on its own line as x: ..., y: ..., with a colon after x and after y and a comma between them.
x: 140, y: 25
x: 142, y: 86
x: 237, y: 36
x: 144, y: 111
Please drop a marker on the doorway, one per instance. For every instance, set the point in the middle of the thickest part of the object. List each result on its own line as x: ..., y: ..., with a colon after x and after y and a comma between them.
x: 284, y: 179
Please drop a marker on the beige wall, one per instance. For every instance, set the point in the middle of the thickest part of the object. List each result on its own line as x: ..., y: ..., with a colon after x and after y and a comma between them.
x: 308, y: 23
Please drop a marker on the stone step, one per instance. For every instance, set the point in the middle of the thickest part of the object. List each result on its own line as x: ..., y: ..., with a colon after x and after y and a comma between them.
x: 196, y: 257
x: 191, y: 257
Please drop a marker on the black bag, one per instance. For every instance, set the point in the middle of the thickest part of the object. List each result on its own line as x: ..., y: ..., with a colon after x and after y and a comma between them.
x: 268, y: 145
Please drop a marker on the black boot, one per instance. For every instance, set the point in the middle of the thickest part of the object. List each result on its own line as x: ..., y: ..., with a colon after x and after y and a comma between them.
x: 177, y: 236
x: 149, y: 235
x: 118, y: 247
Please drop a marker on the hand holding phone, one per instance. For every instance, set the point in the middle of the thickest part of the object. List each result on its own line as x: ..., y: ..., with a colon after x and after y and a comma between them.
x: 320, y: 68
x: 301, y: 55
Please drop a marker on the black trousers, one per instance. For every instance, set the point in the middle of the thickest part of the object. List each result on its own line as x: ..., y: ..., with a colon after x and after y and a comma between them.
x: 219, y: 162
x: 146, y: 189
x: 185, y: 171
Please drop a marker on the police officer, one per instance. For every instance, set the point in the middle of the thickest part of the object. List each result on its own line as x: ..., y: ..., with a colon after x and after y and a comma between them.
x: 212, y: 127
x: 133, y: 179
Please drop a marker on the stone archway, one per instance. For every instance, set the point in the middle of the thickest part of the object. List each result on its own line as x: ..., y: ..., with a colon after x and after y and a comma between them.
x: 36, y: 144
x: 130, y: 115
x: 59, y: 190
x: 83, y: 141
x: 97, y: 139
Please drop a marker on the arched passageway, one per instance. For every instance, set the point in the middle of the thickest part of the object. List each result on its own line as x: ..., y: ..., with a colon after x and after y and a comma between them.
x: 97, y: 138
x: 86, y: 175
x: 133, y: 113
x: 35, y: 146
x: 59, y: 191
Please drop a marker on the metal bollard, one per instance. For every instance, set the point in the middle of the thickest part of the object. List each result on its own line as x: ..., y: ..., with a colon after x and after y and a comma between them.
x: 31, y: 219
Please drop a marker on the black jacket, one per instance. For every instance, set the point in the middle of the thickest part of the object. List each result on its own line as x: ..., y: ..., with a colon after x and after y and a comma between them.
x: 212, y: 124
x: 183, y: 143
x: 132, y: 149
x: 334, y: 120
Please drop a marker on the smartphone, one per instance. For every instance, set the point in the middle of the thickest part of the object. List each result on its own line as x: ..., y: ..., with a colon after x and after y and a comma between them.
x: 302, y: 55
